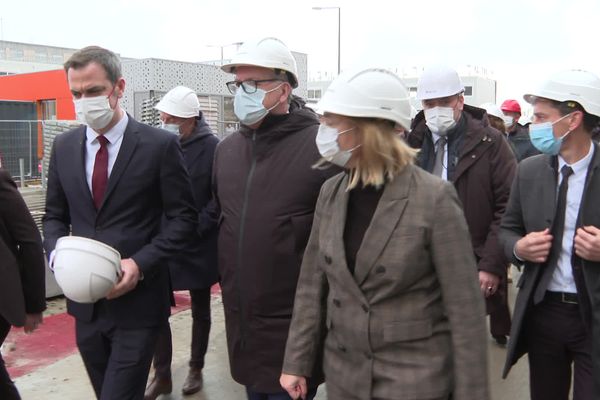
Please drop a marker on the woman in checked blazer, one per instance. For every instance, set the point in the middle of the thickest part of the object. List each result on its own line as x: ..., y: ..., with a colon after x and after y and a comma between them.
x: 388, y: 293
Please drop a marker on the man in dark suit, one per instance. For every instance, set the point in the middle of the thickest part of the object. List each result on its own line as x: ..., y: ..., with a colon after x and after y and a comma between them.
x: 551, y: 226
x: 22, y: 284
x: 113, y: 180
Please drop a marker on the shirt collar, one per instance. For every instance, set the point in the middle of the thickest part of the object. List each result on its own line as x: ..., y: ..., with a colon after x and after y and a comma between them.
x: 581, y: 165
x: 113, y: 135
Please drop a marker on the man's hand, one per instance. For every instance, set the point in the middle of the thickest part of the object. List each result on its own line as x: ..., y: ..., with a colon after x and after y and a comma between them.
x: 587, y: 243
x: 294, y: 385
x: 535, y: 246
x: 130, y: 275
x: 488, y: 283
x: 32, y: 321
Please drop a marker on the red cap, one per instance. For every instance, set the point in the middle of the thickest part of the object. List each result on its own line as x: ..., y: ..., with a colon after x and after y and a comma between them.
x: 511, y: 106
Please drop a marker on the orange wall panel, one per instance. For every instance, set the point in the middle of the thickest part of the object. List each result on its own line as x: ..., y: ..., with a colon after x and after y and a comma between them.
x: 36, y: 86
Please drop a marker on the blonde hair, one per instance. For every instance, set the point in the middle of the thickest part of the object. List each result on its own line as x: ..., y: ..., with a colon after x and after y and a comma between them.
x: 381, y: 156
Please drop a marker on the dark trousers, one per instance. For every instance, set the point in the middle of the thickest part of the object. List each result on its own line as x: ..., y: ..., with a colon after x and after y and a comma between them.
x: 557, y: 338
x: 200, y: 332
x: 500, y: 315
x: 117, y: 360
x: 277, y: 396
x: 8, y: 390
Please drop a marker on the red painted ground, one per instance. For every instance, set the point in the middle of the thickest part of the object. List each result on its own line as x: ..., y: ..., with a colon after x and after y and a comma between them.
x: 56, y: 340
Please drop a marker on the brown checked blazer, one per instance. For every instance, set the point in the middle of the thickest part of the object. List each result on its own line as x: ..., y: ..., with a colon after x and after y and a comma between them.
x: 409, y: 324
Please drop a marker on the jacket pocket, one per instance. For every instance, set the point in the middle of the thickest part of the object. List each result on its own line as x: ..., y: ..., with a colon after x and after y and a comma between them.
x: 407, y: 331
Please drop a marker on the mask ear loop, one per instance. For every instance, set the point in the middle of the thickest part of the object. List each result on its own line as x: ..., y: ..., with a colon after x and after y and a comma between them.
x: 109, y: 95
x: 272, y: 90
x: 560, y: 119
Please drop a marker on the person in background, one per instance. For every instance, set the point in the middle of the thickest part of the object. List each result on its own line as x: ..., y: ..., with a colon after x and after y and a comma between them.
x: 518, y: 135
x: 499, y: 311
x: 266, y: 191
x: 195, y: 267
x: 22, y: 272
x: 552, y: 228
x: 458, y: 145
x: 388, y: 276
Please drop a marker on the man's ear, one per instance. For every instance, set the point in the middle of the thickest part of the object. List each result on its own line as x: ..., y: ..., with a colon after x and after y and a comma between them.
x: 120, y: 87
x: 576, y: 120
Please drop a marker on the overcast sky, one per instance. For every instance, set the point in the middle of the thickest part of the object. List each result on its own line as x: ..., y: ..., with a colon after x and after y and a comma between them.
x: 519, y: 40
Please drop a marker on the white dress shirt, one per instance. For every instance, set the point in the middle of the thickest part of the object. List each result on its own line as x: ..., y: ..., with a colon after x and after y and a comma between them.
x: 114, y: 136
x: 435, y: 137
x: 562, y: 277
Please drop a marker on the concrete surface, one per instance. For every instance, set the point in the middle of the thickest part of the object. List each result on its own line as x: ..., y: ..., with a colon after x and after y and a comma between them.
x: 66, y: 379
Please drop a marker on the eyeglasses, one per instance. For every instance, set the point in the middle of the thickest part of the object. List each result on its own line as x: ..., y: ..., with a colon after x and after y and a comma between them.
x: 248, y: 86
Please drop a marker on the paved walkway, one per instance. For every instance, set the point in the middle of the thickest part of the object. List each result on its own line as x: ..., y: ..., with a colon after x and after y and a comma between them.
x: 41, y: 378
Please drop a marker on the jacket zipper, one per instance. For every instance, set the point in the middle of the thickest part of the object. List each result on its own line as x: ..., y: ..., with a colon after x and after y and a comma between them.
x: 238, y: 281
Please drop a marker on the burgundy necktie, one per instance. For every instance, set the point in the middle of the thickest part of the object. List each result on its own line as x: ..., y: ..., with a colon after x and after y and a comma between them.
x: 100, y: 175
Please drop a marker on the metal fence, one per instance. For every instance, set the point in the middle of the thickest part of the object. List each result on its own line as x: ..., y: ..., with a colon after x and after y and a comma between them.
x: 20, y: 150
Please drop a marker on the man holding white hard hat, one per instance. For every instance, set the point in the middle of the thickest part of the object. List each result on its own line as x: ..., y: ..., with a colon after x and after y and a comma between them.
x: 114, y: 180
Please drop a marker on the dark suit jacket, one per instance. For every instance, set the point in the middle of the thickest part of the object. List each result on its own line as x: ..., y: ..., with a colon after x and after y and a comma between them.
x: 409, y: 323
x: 531, y: 208
x: 148, y: 181
x: 22, y: 273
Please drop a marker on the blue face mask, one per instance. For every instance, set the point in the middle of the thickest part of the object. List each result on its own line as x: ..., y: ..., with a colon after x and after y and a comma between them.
x: 249, y: 108
x: 542, y: 137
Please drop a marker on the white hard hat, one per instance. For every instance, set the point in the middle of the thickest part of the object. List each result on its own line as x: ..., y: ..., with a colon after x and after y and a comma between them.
x: 493, y: 109
x: 180, y: 102
x: 371, y: 93
x: 580, y: 86
x: 267, y: 53
x: 86, y: 270
x: 438, y: 81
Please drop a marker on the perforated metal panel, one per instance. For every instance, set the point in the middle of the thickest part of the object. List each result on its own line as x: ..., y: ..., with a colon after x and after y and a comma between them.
x: 152, y: 77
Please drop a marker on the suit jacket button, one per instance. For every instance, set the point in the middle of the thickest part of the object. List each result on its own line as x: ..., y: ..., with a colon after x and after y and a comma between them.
x: 328, y: 259
x: 369, y: 356
x: 380, y: 269
x: 341, y: 348
x: 365, y: 308
x: 337, y: 303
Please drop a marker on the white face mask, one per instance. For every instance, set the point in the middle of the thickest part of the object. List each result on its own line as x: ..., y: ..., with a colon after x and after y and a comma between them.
x: 440, y: 120
x: 508, y: 121
x: 173, y: 128
x: 329, y: 148
x: 94, y: 112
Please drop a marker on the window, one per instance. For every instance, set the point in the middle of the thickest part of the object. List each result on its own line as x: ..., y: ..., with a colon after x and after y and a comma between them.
x: 311, y: 94
x: 468, y: 90
x: 48, y: 109
x: 412, y: 91
x: 317, y: 94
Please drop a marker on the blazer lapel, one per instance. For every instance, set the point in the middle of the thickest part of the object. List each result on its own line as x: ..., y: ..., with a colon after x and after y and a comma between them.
x: 549, y: 180
x: 78, y: 152
x: 128, y: 144
x: 387, y: 215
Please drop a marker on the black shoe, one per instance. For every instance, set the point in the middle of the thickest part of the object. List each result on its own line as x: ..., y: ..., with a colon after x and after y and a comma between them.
x: 193, y: 382
x: 157, y: 387
x: 500, y: 339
